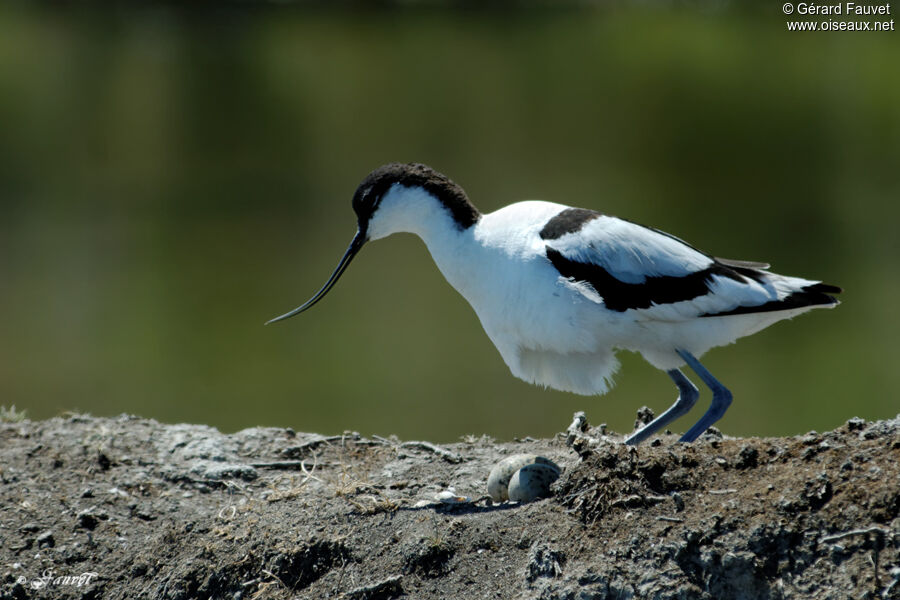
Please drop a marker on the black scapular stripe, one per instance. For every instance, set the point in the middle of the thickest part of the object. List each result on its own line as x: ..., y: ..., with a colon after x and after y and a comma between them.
x: 658, y: 289
x: 569, y: 220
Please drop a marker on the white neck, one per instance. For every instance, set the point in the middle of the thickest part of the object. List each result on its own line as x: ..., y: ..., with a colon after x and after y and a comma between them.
x: 414, y: 210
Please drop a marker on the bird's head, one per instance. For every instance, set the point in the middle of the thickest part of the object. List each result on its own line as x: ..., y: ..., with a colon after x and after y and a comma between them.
x: 389, y: 200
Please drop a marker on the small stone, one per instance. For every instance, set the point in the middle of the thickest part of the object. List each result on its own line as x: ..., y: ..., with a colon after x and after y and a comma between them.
x: 856, y: 424
x: 576, y: 428
x: 645, y: 415
x: 90, y: 517
x: 544, y: 561
x: 29, y: 527
x: 388, y: 588
x: 223, y: 470
x: 748, y: 457
x: 103, y: 461
x: 118, y: 492
x: 87, y: 520
x: 811, y: 438
x: 713, y: 432
x: 449, y: 496
x: 46, y: 540
x: 818, y: 492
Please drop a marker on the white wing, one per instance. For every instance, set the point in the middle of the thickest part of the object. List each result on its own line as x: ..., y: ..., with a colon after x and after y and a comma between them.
x: 632, y: 267
x: 630, y: 252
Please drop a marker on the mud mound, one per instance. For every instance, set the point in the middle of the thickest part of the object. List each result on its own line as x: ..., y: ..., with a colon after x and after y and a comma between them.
x: 746, y: 518
x: 131, y: 508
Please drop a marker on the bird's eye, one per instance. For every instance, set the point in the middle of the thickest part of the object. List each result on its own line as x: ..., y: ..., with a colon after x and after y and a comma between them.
x: 364, y: 201
x: 371, y: 200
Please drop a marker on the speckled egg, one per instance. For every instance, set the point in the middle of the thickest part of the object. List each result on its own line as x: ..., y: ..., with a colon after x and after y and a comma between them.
x: 503, y: 471
x: 532, y: 482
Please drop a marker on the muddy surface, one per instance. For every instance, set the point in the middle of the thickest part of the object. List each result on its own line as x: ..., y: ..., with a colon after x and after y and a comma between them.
x: 131, y: 508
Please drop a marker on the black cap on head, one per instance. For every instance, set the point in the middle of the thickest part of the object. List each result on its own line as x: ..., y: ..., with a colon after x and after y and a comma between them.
x: 372, y: 189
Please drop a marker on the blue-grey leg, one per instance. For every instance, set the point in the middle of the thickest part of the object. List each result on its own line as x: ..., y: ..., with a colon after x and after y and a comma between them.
x: 720, y: 402
x: 687, y: 396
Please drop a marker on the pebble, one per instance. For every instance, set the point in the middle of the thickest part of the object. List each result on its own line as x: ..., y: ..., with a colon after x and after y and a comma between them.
x: 856, y: 424
x: 90, y: 517
x: 449, y: 496
x: 46, y: 539
x: 748, y: 457
x: 544, y: 561
x: 29, y: 527
x: 223, y: 470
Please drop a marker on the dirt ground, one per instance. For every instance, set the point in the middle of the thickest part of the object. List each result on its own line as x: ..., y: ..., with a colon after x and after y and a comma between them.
x: 131, y: 508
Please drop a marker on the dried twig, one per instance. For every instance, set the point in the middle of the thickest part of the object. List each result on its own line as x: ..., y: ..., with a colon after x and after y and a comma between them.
x: 887, y: 591
x: 839, y: 536
x: 577, y: 427
x: 670, y: 519
x: 447, y: 455
x: 880, y: 534
x: 318, y: 441
x: 635, y: 500
x: 388, y: 588
x: 281, y: 465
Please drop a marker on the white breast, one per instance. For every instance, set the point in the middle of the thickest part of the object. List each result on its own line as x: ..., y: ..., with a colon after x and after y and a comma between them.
x: 545, y: 329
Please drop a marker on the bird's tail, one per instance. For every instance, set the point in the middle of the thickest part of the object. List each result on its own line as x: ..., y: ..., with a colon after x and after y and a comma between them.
x: 817, y: 294
x: 794, y: 293
x: 790, y: 293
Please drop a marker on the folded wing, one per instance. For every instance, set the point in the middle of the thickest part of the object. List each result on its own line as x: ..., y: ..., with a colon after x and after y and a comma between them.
x: 627, y: 266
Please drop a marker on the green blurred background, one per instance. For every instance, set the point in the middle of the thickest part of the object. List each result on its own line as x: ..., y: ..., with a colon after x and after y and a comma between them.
x: 172, y: 178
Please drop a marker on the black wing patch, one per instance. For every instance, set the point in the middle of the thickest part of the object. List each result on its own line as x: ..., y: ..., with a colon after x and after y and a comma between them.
x: 817, y: 294
x: 569, y: 220
x: 660, y: 289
